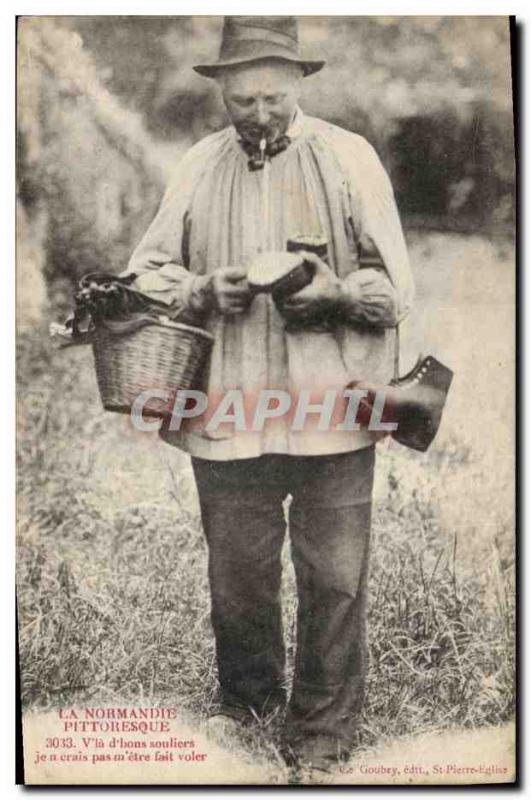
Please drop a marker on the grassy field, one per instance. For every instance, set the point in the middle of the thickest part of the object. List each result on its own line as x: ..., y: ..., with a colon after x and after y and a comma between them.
x: 112, y: 587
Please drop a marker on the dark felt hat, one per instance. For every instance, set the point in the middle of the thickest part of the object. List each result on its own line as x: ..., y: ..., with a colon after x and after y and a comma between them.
x: 255, y: 38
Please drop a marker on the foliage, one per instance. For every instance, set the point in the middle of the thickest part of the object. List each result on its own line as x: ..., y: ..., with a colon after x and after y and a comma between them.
x: 82, y: 157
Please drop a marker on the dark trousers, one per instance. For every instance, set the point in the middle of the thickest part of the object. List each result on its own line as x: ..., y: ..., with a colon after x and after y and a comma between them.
x: 329, y: 524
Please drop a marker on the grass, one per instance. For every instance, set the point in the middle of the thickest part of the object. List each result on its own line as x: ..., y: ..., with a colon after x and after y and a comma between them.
x: 112, y: 585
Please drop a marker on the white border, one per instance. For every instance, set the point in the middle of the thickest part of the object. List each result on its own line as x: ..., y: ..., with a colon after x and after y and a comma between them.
x: 7, y: 391
x: 300, y: 7
x: 7, y: 397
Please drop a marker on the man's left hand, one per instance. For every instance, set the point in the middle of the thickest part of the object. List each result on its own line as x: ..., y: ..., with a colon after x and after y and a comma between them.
x: 323, y: 295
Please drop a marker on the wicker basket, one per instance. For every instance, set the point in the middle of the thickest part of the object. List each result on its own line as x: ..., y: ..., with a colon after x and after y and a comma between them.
x: 162, y: 356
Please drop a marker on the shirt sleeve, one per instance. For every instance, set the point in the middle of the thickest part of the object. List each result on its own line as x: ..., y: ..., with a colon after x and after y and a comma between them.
x: 373, y: 297
x: 160, y: 261
x: 384, y: 282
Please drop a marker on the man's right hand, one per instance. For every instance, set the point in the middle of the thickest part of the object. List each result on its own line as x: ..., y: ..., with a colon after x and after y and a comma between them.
x: 230, y: 290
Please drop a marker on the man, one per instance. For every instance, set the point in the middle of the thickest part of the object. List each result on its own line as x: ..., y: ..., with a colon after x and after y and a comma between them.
x: 272, y: 175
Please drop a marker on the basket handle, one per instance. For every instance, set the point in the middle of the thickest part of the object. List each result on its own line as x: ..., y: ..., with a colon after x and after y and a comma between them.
x: 134, y: 323
x: 115, y: 326
x: 137, y: 321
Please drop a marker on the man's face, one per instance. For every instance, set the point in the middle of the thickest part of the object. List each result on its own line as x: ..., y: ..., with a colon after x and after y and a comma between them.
x: 261, y: 97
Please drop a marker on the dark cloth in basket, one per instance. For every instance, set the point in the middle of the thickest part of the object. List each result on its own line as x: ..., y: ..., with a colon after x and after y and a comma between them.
x: 137, y: 342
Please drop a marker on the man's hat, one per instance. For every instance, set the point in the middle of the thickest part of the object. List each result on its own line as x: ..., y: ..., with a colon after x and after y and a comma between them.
x: 254, y: 38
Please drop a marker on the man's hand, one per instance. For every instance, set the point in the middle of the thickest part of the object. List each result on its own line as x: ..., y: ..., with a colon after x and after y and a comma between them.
x: 325, y: 294
x: 230, y: 290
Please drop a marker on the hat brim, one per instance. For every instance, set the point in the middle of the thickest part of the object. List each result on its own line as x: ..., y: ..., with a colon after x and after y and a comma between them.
x: 213, y: 70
